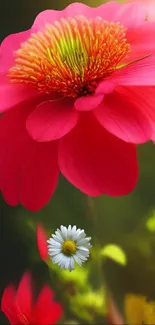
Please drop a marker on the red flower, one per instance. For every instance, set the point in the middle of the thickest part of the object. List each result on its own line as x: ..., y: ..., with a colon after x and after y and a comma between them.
x: 19, y: 307
x: 79, y: 90
x: 42, y: 242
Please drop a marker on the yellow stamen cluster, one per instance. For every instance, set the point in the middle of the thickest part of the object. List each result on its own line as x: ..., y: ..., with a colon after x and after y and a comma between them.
x: 69, y: 247
x: 71, y: 56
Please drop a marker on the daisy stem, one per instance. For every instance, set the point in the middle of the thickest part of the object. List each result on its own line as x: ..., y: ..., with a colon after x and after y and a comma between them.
x: 91, y: 213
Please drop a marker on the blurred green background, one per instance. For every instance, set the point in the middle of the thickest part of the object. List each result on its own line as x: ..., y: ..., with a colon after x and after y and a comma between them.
x: 120, y: 221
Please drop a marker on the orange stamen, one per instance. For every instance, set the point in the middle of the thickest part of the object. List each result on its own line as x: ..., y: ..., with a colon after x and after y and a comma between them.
x: 71, y: 56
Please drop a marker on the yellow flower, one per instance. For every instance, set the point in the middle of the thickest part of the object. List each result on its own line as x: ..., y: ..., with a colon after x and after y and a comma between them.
x: 134, y: 309
x: 138, y: 310
x: 149, y: 313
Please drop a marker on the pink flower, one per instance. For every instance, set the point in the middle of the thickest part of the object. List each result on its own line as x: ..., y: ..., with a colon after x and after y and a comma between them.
x: 149, y: 6
x: 77, y: 92
x: 42, y: 242
x: 20, y: 308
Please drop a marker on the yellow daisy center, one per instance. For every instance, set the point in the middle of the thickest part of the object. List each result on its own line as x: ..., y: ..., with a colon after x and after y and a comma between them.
x: 71, y: 56
x: 69, y: 247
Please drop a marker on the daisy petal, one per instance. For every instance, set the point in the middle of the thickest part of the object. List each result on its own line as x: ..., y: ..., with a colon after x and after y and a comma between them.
x: 58, y: 258
x: 82, y: 248
x: 71, y: 266
x: 54, y: 251
x: 67, y: 263
x: 81, y: 256
x: 83, y: 253
x: 57, y: 238
x: 64, y: 232
x: 69, y: 231
x: 73, y: 231
x: 54, y: 243
x: 84, y: 241
x: 79, y: 235
x: 77, y: 259
x: 58, y: 232
x: 62, y: 263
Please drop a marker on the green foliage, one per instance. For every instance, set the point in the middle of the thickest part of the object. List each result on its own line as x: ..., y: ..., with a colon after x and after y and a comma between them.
x: 89, y: 305
x: 79, y: 276
x: 115, y: 253
x: 150, y: 224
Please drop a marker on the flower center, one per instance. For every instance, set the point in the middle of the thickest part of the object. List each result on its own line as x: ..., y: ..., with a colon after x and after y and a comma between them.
x: 71, y: 56
x: 69, y: 247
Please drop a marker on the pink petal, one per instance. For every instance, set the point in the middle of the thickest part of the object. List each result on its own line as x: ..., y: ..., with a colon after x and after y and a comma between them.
x: 11, y: 95
x: 121, y: 114
x: 50, y: 16
x: 107, y: 11
x: 39, y: 174
x: 106, y: 87
x: 96, y: 162
x: 51, y: 314
x: 9, y: 45
x: 145, y: 98
x: 141, y: 40
x: 139, y: 73
x: 24, y: 299
x: 51, y: 120
x: 3, y: 78
x: 12, y: 135
x: 130, y: 14
x: 45, y: 17
x: 150, y: 6
x: 89, y: 102
x: 28, y: 169
x: 46, y: 310
x: 8, y: 305
x: 46, y: 295
x: 42, y: 242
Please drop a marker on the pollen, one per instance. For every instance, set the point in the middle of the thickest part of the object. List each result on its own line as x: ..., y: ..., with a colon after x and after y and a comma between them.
x: 69, y: 247
x: 71, y: 56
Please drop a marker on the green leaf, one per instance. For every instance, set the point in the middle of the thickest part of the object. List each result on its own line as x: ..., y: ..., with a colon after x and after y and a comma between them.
x: 150, y: 224
x: 115, y: 253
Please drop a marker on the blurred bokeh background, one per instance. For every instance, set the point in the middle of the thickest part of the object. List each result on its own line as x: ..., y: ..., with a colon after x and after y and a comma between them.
x: 127, y: 222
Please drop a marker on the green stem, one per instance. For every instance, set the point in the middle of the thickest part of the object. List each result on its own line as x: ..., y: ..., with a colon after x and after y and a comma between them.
x: 91, y: 213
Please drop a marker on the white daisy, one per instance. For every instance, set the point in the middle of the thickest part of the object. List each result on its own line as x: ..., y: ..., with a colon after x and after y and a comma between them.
x: 67, y: 246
